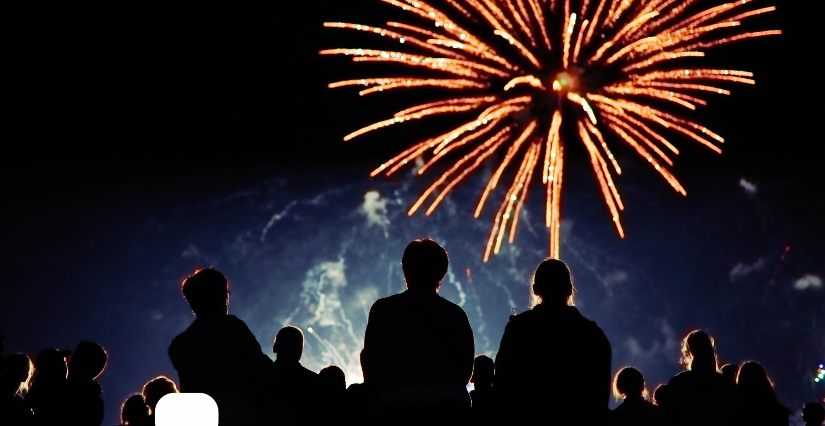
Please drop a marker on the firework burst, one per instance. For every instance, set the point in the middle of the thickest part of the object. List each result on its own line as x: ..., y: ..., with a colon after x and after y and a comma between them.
x: 603, y: 71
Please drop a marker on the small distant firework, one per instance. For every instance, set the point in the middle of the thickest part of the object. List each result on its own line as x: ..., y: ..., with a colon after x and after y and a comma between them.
x: 565, y: 67
x: 820, y: 374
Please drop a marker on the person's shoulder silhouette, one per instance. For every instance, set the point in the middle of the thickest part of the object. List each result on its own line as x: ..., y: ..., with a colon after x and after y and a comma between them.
x: 217, y: 355
x: 87, y: 363
x: 420, y: 321
x: 15, y: 375
x: 757, y: 399
x: 553, y: 357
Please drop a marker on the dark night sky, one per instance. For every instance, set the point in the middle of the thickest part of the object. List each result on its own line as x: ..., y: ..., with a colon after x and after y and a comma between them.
x: 150, y: 92
x: 112, y: 105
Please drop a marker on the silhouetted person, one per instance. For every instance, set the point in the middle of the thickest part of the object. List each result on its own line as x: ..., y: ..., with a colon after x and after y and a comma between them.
x: 15, y: 374
x: 701, y: 395
x: 661, y: 396
x: 293, y: 386
x: 218, y: 355
x: 757, y: 401
x: 87, y: 363
x: 662, y: 399
x: 135, y: 412
x: 485, y: 408
x: 333, y: 378
x: 419, y: 321
x: 730, y: 371
x: 813, y: 414
x: 553, y: 364
x: 634, y: 410
x: 332, y: 390
x: 154, y: 390
x: 48, y: 397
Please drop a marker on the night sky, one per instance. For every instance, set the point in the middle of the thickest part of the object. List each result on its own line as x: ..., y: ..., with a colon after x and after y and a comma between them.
x: 146, y: 141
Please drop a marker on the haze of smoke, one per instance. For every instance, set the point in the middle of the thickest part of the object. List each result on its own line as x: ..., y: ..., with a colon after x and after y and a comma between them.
x: 808, y: 281
x: 749, y: 187
x: 741, y: 269
x: 375, y: 208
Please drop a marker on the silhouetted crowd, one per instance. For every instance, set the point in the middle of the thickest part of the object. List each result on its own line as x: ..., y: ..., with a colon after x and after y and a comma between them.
x: 552, y: 367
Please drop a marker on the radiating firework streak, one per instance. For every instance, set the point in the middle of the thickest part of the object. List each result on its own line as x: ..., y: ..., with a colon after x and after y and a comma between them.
x: 605, y: 59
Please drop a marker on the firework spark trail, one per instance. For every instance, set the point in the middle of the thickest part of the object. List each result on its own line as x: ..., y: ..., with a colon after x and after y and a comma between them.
x: 527, y: 59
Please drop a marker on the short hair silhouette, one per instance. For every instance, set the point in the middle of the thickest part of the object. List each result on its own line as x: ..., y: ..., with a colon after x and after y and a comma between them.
x: 52, y: 362
x: 813, y: 414
x: 88, y: 360
x: 289, y: 343
x: 17, y: 369
x: 425, y: 264
x: 156, y: 389
x: 698, y: 352
x: 333, y: 377
x: 661, y: 396
x: 134, y: 411
x: 629, y: 382
x: 483, y: 371
x: 552, y: 283
x: 207, y: 292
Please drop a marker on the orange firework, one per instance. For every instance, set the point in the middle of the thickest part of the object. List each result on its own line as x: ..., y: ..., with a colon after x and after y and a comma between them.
x: 606, y: 59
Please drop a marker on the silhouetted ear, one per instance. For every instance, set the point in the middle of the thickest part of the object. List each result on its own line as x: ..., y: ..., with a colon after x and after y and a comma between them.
x: 274, y: 348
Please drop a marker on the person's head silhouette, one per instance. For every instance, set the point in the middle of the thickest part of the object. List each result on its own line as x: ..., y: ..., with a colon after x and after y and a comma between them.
x: 289, y: 344
x: 16, y: 371
x: 730, y: 371
x: 753, y: 384
x: 697, y: 352
x: 156, y: 389
x: 207, y: 292
x: 483, y: 372
x: 134, y: 411
x: 629, y: 384
x: 553, y: 284
x: 661, y: 396
x: 333, y: 378
x: 813, y: 414
x: 51, y: 363
x: 425, y: 265
x: 88, y: 361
